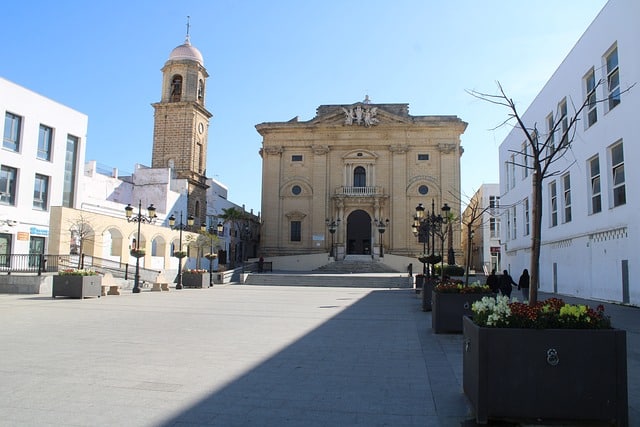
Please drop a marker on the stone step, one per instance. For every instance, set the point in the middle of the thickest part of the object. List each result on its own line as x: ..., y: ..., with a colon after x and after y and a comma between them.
x: 331, y: 280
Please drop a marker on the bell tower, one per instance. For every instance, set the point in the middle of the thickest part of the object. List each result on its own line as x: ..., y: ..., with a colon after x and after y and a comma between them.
x: 181, y: 123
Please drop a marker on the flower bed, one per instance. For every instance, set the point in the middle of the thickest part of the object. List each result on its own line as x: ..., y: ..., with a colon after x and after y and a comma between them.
x: 77, y: 284
x: 554, y: 313
x: 77, y: 272
x: 553, y: 362
x: 451, y: 301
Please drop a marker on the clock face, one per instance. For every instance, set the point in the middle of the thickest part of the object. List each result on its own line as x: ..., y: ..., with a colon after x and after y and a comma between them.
x: 200, y: 127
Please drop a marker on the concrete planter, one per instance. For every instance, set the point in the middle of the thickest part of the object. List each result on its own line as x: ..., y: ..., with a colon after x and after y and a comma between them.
x: 191, y: 280
x: 427, y: 290
x: 546, y: 374
x: 77, y: 286
x: 449, y: 309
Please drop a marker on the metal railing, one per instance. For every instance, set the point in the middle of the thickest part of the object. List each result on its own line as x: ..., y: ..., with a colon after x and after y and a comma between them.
x: 28, y: 263
x: 40, y: 263
x: 359, y: 191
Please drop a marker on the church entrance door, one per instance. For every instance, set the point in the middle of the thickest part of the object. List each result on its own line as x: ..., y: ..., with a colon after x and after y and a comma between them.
x: 359, y: 233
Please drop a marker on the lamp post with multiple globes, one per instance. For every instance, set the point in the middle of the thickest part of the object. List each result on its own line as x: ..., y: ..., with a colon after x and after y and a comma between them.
x: 139, y: 218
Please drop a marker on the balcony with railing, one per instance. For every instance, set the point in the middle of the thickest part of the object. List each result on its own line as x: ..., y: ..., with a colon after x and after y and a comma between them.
x: 359, y: 191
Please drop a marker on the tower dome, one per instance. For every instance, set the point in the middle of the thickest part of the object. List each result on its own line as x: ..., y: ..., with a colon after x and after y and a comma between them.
x: 186, y: 51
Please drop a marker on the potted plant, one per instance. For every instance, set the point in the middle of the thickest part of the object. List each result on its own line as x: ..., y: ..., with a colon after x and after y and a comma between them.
x: 180, y: 254
x: 195, y: 278
x: 77, y: 283
x: 451, y: 301
x: 562, y: 362
x: 211, y: 256
x: 137, y: 253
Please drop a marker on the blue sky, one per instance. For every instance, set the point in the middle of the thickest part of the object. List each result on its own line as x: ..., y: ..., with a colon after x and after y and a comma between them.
x: 277, y: 59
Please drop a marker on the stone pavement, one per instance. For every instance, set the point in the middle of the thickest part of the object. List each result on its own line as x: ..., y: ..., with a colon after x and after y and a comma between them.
x: 238, y: 355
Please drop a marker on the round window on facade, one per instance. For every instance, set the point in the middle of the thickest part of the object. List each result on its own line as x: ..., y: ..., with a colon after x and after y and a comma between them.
x: 296, y: 190
x: 423, y: 189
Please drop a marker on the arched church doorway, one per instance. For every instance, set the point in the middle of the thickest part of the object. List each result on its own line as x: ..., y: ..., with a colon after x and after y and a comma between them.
x: 359, y: 233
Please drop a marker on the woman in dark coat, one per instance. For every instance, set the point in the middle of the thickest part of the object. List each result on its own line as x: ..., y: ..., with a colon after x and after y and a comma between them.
x: 523, y: 284
x: 493, y: 282
x: 505, y: 283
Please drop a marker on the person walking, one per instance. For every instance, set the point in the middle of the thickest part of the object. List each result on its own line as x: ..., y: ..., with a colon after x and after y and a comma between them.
x: 505, y: 283
x: 492, y: 282
x: 523, y: 284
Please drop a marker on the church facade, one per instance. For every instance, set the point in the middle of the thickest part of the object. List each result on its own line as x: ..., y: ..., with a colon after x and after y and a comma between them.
x: 331, y: 184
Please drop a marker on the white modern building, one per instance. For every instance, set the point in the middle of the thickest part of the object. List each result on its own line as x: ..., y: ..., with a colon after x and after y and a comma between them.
x: 41, y: 163
x: 590, y: 231
x: 485, y: 237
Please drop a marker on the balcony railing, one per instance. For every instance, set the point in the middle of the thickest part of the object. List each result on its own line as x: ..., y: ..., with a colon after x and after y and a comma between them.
x: 359, y: 191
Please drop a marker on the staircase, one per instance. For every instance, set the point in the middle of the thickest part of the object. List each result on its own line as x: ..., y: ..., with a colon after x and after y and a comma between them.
x: 354, y: 271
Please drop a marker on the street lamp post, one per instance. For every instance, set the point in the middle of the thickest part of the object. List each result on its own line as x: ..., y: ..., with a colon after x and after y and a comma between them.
x: 426, y: 226
x: 181, y: 226
x: 139, y: 218
x: 212, y: 232
x: 332, y: 226
x: 382, y: 227
x: 445, y: 219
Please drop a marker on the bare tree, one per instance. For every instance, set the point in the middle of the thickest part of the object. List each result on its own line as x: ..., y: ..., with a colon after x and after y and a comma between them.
x: 539, y: 157
x: 80, y: 233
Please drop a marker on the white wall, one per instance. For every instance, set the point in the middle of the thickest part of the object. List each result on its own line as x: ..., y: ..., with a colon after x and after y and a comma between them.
x: 589, y: 250
x: 35, y: 110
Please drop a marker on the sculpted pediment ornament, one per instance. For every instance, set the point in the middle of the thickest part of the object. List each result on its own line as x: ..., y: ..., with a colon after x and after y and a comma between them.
x: 361, y: 116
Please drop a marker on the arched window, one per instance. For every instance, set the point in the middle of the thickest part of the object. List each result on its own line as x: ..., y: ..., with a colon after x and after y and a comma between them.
x: 200, y: 89
x: 176, y: 88
x: 359, y: 177
x: 197, y: 210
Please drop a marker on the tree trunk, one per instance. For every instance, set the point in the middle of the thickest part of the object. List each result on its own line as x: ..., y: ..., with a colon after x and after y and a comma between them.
x: 536, y: 206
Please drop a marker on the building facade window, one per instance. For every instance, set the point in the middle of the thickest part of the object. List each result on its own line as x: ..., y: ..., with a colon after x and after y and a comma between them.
x: 296, y: 157
x: 595, y: 192
x: 296, y: 190
x: 553, y: 202
x: 423, y: 157
x: 525, y: 159
x: 296, y: 231
x: 564, y: 123
x: 514, y: 223
x: 176, y: 88
x: 512, y: 171
x: 566, y: 192
x: 41, y: 192
x: 590, y: 90
x: 12, y: 131
x: 613, y: 78
x: 551, y: 138
x: 617, y: 175
x: 494, y: 202
x: 70, y: 162
x: 359, y: 177
x: 525, y: 206
x: 494, y: 228
x: 45, y: 140
x: 8, y: 177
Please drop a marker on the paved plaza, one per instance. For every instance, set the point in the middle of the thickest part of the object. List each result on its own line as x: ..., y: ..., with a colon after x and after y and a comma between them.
x: 238, y: 355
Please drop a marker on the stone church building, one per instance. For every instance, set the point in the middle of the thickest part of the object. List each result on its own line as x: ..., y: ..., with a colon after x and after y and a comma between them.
x: 351, y: 168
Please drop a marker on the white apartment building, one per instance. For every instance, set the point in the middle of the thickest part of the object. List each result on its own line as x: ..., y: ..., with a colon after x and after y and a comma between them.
x: 590, y: 232
x: 41, y: 163
x: 485, y: 238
